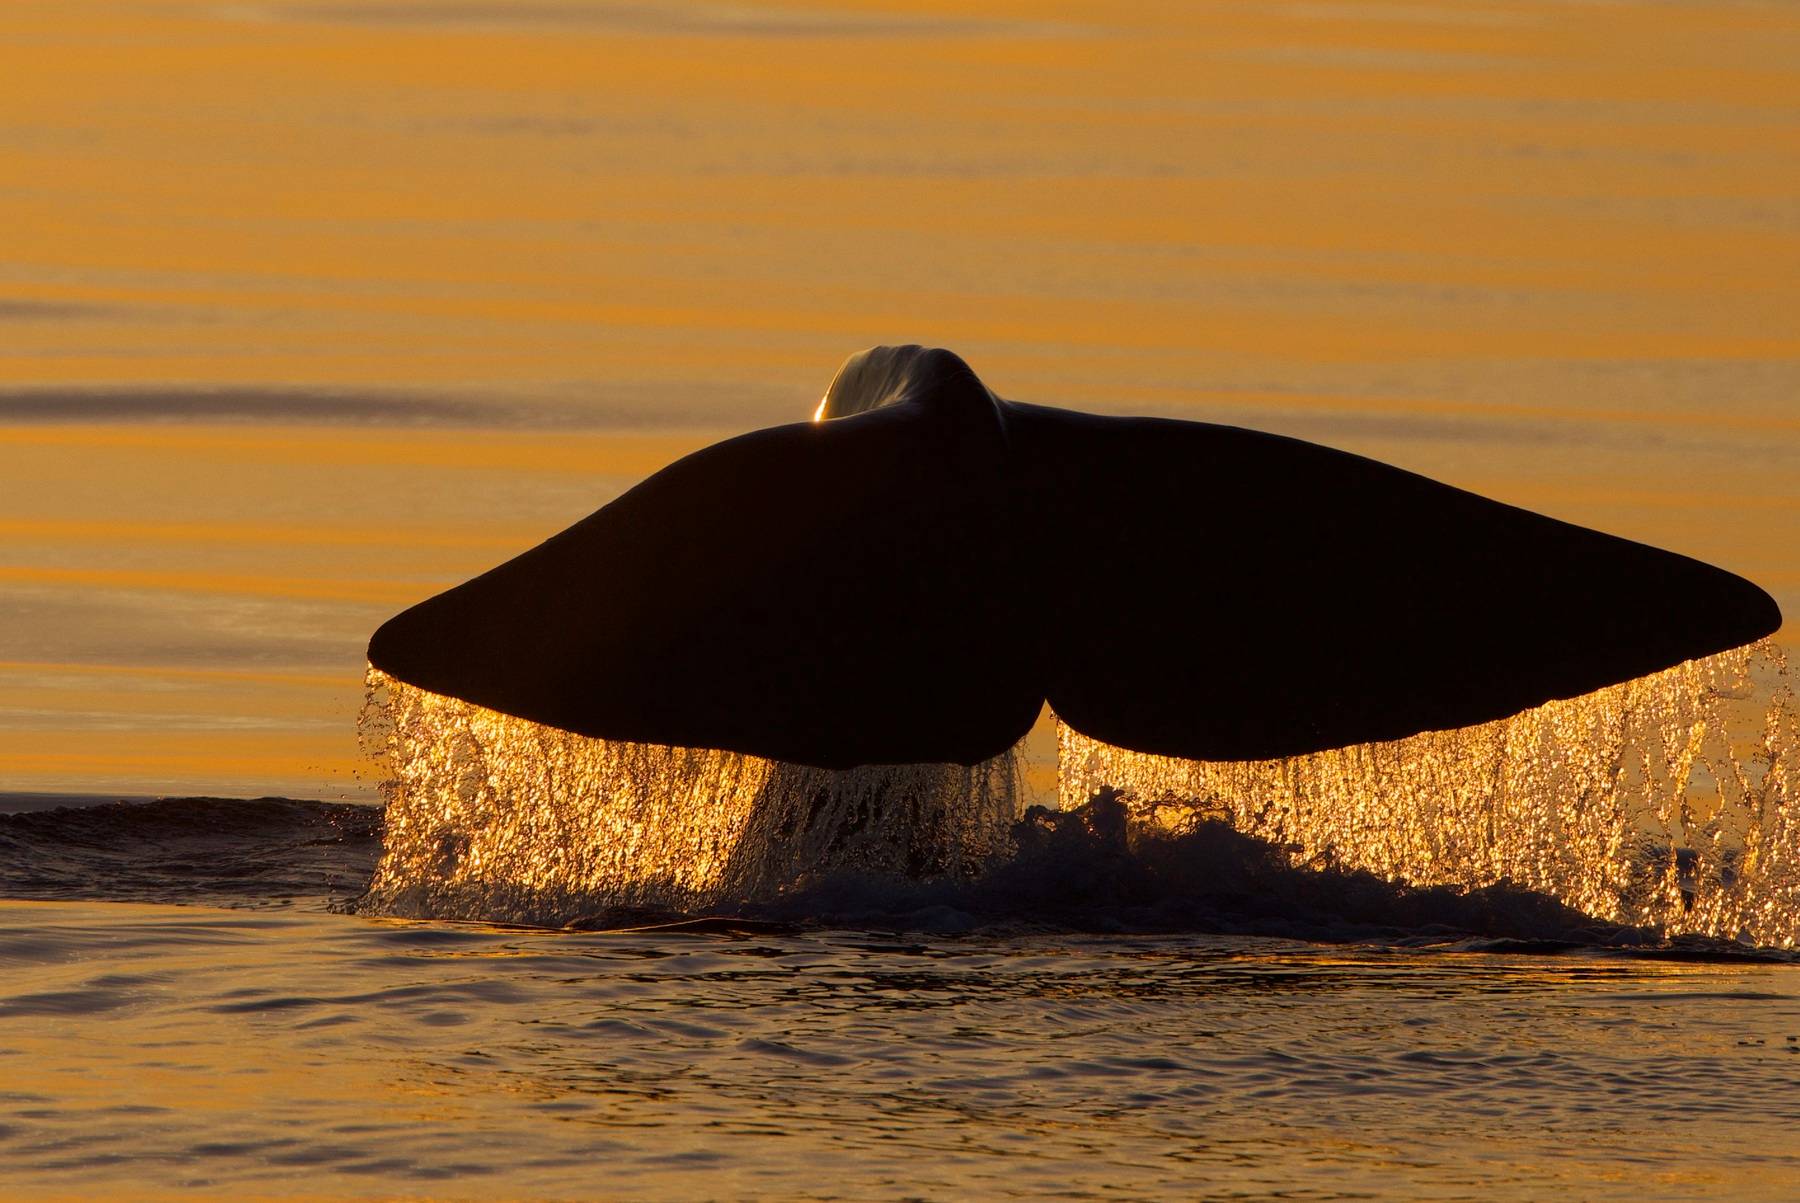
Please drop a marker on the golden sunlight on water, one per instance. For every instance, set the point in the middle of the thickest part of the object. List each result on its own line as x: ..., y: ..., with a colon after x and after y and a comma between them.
x: 295, y: 1055
x: 310, y: 310
x: 1670, y: 802
x: 494, y: 817
x: 187, y: 604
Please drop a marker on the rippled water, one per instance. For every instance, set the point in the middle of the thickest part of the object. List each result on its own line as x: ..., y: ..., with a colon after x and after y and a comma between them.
x: 155, y: 1051
x: 1227, y: 1026
x: 314, y: 309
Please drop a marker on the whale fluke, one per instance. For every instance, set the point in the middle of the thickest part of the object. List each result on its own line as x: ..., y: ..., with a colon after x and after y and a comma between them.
x: 833, y: 593
x: 1230, y: 595
x: 910, y: 576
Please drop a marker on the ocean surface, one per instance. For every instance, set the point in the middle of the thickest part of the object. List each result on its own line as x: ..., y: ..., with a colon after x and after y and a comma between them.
x: 311, y: 309
x: 188, y: 1013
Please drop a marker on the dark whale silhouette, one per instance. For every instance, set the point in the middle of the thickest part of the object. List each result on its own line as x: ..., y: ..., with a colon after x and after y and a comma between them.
x: 911, y: 575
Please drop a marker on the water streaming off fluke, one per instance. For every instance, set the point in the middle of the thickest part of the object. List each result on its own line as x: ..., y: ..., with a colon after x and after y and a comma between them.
x: 495, y: 817
x: 1666, y: 802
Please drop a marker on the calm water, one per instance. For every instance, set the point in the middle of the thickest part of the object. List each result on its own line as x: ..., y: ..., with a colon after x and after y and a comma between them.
x: 308, y: 310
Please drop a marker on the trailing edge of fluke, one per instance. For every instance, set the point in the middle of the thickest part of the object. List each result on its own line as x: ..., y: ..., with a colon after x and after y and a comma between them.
x: 910, y: 575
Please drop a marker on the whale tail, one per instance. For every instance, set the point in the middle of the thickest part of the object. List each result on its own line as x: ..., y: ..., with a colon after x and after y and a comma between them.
x: 1231, y: 595
x: 910, y: 580
x: 833, y: 593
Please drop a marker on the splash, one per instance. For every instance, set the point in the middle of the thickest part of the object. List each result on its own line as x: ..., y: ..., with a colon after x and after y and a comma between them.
x: 1668, y: 802
x: 494, y: 817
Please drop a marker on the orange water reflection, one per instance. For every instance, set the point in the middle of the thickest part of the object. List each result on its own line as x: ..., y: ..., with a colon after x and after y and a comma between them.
x: 293, y: 1053
x: 341, y: 302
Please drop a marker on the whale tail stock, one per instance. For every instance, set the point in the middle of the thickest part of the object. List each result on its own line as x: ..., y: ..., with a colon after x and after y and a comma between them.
x: 909, y: 579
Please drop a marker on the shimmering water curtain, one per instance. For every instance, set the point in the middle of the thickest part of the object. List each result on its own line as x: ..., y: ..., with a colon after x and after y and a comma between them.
x: 495, y: 817
x: 1671, y: 801
x: 1668, y: 801
x: 815, y: 646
